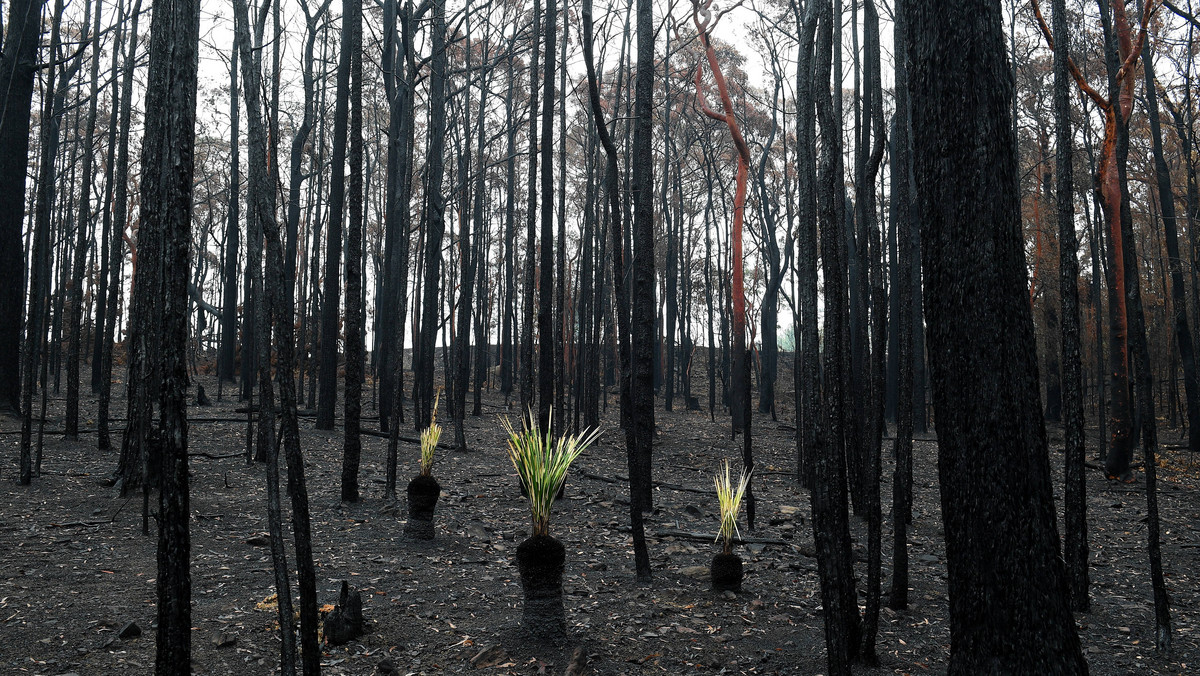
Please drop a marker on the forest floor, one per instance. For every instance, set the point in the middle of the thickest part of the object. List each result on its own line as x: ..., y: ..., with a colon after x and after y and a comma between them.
x: 76, y: 568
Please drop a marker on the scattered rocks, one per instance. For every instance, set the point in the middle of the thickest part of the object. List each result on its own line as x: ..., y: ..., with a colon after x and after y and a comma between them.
x: 224, y: 639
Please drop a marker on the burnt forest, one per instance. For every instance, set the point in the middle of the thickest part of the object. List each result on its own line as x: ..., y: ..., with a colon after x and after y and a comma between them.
x: 591, y: 337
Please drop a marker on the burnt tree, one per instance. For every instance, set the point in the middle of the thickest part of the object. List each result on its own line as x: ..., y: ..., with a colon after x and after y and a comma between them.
x: 997, y: 502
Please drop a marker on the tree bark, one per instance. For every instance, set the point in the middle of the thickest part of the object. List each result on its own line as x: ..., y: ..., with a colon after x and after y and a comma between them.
x: 1075, y: 541
x: 352, y: 445
x: 327, y: 379
x: 166, y: 209
x: 21, y: 42
x: 641, y: 388
x: 982, y: 356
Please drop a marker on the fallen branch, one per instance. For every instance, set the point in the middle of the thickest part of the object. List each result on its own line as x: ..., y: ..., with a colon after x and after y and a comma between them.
x: 709, y: 537
x: 210, y: 456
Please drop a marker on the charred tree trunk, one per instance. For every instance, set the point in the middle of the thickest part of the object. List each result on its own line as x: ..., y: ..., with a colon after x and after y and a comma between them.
x: 352, y: 445
x: 226, y: 358
x: 435, y: 214
x: 327, y: 380
x: 641, y: 388
x: 21, y: 42
x: 166, y: 188
x: 982, y: 355
x: 829, y: 498
x: 547, y: 343
x: 83, y: 225
x: 120, y: 212
x: 616, y: 216
x: 1075, y: 541
x: 903, y: 222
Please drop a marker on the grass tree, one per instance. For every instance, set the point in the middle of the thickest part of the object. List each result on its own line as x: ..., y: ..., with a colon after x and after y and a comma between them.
x: 542, y: 463
x: 726, y: 569
x: 423, y: 490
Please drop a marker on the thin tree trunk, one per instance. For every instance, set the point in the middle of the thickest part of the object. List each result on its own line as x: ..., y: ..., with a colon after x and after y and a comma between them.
x: 166, y: 209
x: 616, y: 216
x: 1075, y: 498
x: 352, y: 448
x: 83, y: 224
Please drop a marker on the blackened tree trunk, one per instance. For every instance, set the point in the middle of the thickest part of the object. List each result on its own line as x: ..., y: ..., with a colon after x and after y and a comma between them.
x: 120, y: 212
x: 278, y: 303
x: 777, y: 262
x: 327, y: 379
x: 903, y: 288
x: 16, y: 81
x: 109, y: 276
x: 54, y: 103
x: 166, y: 188
x: 352, y: 445
x: 615, y: 215
x: 226, y: 357
x: 831, y: 532
x: 1183, y: 334
x: 527, y: 365
x: 641, y: 388
x: 468, y: 259
x: 982, y: 352
x: 545, y: 316
x: 873, y: 130
x: 435, y: 214
x: 508, y: 315
x: 808, y: 395
x: 1075, y: 541
x: 83, y: 223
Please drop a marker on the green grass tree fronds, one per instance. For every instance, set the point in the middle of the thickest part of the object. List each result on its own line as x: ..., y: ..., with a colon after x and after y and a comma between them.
x: 429, y: 440
x: 542, y: 464
x: 729, y: 496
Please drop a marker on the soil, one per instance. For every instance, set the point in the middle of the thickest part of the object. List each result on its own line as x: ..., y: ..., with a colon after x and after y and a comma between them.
x: 77, y: 570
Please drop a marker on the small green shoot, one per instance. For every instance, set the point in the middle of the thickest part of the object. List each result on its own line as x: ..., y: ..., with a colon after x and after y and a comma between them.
x: 542, y: 464
x: 729, y: 495
x: 429, y: 439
